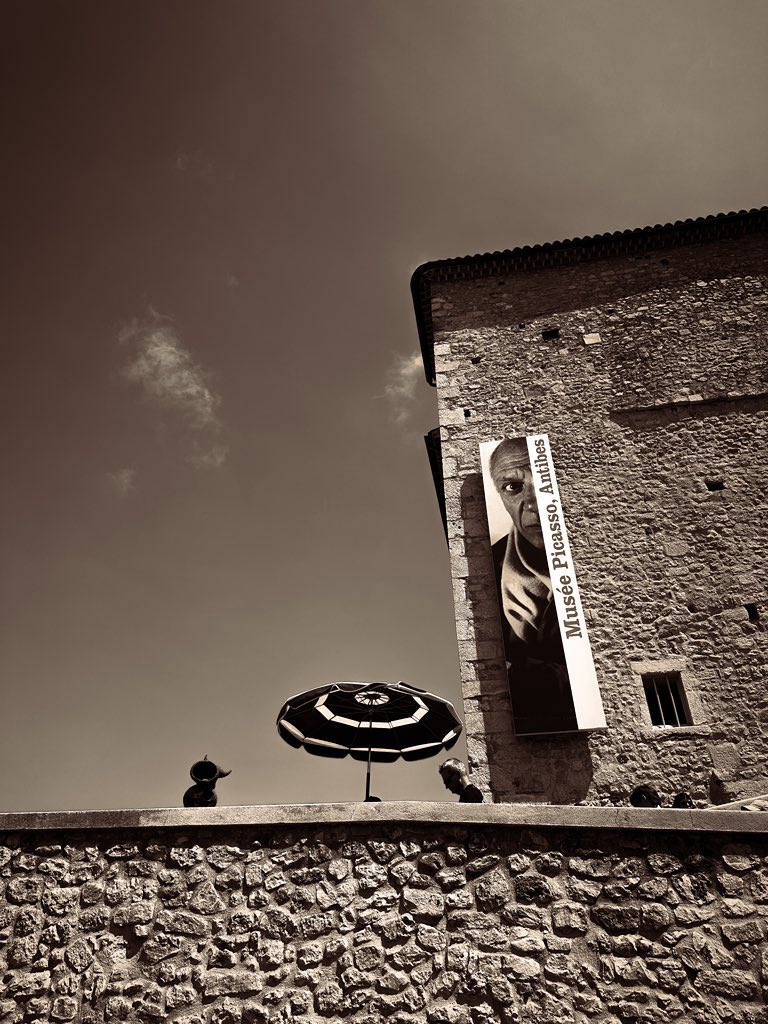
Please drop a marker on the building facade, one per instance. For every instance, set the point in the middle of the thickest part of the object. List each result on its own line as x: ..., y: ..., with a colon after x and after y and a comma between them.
x: 642, y: 356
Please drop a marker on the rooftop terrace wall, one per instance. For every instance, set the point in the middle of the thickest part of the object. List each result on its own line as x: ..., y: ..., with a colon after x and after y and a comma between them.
x: 410, y: 913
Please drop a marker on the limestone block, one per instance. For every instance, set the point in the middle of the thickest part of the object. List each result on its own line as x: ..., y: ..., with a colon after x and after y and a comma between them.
x: 569, y: 919
x: 618, y: 918
x: 79, y: 956
x: 494, y: 891
x: 733, y: 984
x: 533, y: 889
x: 23, y: 889
x: 743, y: 932
x: 222, y: 982
x: 424, y: 905
x: 522, y: 968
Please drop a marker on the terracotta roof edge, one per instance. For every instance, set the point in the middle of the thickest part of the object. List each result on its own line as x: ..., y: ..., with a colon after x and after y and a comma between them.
x: 549, y: 254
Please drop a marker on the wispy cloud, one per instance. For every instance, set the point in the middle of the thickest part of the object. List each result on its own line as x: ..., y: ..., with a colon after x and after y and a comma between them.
x: 122, y: 481
x: 208, y: 456
x: 172, y: 380
x: 193, y: 162
x: 402, y: 380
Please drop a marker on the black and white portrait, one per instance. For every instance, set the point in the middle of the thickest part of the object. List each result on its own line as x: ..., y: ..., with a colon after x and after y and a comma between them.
x: 538, y: 604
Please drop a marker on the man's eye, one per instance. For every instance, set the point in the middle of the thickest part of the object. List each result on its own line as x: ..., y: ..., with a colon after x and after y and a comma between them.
x: 512, y: 486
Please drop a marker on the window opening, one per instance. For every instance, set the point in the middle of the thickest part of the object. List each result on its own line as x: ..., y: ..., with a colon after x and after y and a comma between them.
x: 666, y: 699
x: 753, y: 612
x: 550, y: 333
x: 714, y: 485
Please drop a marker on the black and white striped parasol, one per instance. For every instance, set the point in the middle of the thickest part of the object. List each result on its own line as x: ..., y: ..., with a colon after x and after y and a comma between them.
x: 369, y: 722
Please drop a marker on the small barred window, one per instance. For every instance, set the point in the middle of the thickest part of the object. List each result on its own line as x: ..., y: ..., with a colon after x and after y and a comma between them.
x: 666, y: 699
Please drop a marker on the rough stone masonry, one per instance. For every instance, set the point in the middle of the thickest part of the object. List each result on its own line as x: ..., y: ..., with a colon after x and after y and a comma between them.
x: 593, y: 916
x: 643, y: 356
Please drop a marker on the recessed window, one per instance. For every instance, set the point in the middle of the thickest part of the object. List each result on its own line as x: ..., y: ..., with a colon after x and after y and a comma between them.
x: 550, y: 333
x: 666, y: 699
x: 714, y: 484
x: 753, y: 612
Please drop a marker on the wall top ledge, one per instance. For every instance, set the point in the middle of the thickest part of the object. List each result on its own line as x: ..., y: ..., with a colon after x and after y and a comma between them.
x: 412, y: 812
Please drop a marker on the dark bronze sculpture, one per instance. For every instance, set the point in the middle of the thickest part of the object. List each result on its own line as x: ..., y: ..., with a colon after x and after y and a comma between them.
x: 205, y: 774
x: 644, y: 796
x: 683, y: 801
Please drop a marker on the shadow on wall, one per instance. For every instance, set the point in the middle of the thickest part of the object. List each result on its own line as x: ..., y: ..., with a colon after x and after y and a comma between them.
x: 695, y: 407
x: 543, y: 769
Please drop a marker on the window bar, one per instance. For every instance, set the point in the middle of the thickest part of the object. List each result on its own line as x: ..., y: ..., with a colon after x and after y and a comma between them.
x: 674, y: 702
x: 683, y: 711
x: 655, y: 682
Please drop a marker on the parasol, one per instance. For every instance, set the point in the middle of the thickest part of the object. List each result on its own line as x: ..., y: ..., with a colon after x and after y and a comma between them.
x: 370, y: 722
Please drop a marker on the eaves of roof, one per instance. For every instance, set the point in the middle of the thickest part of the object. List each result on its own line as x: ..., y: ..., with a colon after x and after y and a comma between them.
x: 568, y: 253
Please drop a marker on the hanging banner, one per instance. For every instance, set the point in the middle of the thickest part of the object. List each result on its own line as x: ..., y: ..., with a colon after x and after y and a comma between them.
x: 552, y: 680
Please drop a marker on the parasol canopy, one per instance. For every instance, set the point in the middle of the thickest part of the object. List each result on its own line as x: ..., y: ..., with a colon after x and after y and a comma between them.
x: 369, y: 722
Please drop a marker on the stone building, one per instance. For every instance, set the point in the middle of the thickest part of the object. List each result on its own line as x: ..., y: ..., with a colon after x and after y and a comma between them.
x: 642, y: 355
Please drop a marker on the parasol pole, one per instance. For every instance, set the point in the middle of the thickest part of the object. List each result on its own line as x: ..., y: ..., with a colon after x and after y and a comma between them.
x: 370, y: 745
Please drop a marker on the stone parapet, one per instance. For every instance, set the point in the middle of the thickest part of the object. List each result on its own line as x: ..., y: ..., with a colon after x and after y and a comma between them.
x: 519, y: 815
x: 405, y: 912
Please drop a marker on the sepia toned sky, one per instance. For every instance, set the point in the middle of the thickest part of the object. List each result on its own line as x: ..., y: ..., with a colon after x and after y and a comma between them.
x: 215, y: 492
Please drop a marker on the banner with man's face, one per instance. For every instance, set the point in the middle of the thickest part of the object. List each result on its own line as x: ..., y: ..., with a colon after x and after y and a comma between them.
x: 552, y: 681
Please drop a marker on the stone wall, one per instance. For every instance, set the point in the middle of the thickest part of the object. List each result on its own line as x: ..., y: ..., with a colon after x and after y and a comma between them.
x: 653, y: 391
x: 414, y: 914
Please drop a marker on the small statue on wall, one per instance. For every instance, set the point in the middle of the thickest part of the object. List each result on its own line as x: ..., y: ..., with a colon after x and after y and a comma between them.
x: 644, y: 796
x: 205, y: 774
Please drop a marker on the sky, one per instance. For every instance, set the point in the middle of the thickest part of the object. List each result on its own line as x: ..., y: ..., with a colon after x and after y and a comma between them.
x: 215, y: 489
